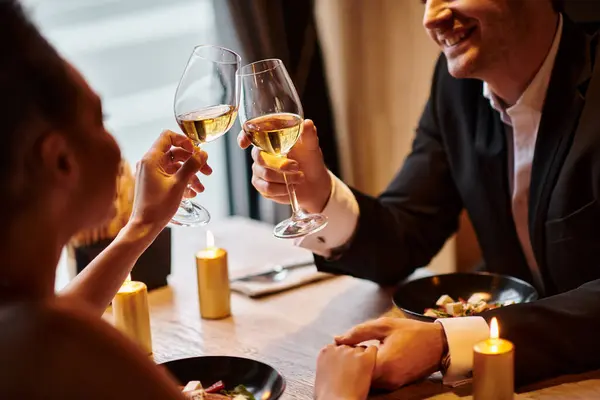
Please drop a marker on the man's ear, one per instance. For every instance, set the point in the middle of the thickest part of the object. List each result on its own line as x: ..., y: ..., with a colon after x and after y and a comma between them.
x: 58, y: 159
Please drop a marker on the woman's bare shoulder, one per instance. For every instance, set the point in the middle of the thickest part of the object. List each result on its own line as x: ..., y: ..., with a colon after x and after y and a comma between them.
x: 52, y: 348
x: 24, y: 324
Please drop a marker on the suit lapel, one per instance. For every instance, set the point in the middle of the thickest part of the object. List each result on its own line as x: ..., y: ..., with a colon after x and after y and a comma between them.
x: 560, y: 116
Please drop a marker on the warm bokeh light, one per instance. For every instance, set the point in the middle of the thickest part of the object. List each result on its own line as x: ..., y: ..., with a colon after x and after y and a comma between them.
x: 494, y: 329
x: 210, y: 240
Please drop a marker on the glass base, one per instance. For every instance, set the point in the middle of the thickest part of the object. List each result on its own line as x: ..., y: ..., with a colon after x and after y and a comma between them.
x: 300, y: 225
x: 191, y: 214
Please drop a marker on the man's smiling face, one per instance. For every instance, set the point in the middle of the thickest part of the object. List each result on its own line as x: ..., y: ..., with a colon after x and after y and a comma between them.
x: 477, y: 35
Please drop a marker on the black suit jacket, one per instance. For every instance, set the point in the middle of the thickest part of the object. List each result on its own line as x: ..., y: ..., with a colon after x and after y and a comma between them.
x: 459, y: 160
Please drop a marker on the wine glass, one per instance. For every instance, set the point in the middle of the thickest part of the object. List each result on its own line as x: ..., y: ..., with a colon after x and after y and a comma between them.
x: 206, y: 105
x: 272, y: 118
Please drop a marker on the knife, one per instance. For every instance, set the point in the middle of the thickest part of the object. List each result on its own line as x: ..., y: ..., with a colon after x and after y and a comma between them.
x: 276, y: 269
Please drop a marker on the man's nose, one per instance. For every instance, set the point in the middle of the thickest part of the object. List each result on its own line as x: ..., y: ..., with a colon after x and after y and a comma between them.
x: 437, y: 14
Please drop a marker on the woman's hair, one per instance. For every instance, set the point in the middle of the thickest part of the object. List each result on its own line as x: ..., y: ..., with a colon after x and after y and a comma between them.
x: 36, y: 91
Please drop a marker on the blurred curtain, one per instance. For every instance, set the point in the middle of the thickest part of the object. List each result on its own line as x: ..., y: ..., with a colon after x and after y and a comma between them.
x: 260, y: 29
x: 379, y: 62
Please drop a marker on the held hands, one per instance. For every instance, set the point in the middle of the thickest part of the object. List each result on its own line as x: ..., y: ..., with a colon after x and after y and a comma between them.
x: 344, y: 372
x: 162, y: 177
x: 304, y: 168
x: 409, y: 349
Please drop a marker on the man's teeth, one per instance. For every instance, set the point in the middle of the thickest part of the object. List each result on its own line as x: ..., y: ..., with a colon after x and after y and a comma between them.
x: 454, y: 39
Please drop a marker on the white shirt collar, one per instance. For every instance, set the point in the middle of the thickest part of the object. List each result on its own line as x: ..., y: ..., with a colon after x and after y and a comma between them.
x: 533, y: 97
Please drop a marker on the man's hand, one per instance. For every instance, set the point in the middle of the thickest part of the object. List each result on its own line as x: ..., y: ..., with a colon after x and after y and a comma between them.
x: 409, y: 349
x: 304, y: 167
x: 162, y: 178
x: 344, y: 372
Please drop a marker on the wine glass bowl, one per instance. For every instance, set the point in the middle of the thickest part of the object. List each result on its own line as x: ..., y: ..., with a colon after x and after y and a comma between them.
x: 205, y: 106
x: 272, y: 118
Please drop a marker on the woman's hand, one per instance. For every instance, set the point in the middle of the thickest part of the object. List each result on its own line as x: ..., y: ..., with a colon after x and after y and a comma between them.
x: 344, y: 373
x: 162, y: 178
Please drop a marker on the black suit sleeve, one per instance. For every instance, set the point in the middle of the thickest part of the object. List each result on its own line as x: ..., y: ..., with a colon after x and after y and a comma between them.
x: 410, y: 221
x: 553, y: 336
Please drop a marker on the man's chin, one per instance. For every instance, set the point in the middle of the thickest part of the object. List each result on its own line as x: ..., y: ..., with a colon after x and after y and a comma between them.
x: 463, y: 66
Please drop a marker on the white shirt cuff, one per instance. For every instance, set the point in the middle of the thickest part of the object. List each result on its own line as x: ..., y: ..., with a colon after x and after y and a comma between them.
x: 462, y: 334
x: 342, y: 214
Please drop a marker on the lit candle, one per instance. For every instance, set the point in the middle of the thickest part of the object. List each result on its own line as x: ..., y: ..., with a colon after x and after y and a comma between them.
x: 214, y: 293
x: 493, y: 367
x: 131, y: 315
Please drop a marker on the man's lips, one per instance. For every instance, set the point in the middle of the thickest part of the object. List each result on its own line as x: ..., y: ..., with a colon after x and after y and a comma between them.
x: 454, y: 37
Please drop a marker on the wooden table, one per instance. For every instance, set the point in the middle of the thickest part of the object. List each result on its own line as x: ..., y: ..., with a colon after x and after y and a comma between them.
x: 287, y: 330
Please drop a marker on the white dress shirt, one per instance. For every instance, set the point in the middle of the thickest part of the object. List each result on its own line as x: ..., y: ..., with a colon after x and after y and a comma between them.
x: 522, y: 121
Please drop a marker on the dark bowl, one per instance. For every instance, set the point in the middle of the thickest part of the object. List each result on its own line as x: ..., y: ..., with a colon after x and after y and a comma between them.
x: 263, y: 381
x: 414, y: 297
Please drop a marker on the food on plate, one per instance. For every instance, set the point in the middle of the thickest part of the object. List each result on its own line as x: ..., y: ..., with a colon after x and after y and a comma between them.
x: 446, y: 307
x: 194, y: 391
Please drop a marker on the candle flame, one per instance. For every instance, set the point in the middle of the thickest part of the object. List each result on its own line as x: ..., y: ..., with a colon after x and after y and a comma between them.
x: 128, y: 279
x: 210, y: 240
x: 494, y: 329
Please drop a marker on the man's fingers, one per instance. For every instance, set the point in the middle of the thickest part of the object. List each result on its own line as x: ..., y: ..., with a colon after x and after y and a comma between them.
x: 275, y: 163
x: 243, y: 140
x: 266, y: 174
x: 308, y: 138
x: 168, y: 139
x: 284, y: 199
x: 372, y: 330
x: 269, y: 189
x: 272, y: 176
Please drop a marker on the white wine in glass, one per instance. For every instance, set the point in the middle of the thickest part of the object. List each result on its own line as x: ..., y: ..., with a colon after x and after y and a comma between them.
x: 206, y: 105
x: 272, y: 118
x: 206, y: 125
x: 274, y: 133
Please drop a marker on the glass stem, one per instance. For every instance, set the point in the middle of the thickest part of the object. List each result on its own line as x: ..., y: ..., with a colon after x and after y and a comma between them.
x: 187, y: 205
x: 293, y: 199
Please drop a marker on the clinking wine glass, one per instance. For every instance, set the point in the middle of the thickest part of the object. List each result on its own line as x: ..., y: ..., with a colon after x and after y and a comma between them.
x: 272, y: 118
x: 206, y: 105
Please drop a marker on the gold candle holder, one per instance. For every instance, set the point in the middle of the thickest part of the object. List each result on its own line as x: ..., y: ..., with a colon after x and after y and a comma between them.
x: 131, y: 314
x: 493, y: 367
x: 214, y: 293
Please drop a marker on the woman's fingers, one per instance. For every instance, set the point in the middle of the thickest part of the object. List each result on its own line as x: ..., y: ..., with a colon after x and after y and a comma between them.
x: 195, y: 184
x: 176, y: 155
x: 168, y: 139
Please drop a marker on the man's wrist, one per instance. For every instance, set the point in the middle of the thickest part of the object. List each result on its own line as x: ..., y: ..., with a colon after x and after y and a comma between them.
x: 323, y: 193
x: 445, y: 354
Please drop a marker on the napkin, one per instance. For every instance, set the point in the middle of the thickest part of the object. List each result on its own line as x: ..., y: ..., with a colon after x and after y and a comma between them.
x: 295, y: 278
x: 252, y: 249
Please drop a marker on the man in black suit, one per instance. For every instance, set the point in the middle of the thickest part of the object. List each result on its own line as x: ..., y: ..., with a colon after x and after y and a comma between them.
x: 510, y: 133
